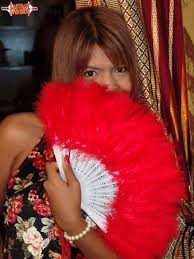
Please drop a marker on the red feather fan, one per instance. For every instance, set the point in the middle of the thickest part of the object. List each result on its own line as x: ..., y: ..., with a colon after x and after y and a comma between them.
x: 131, y: 143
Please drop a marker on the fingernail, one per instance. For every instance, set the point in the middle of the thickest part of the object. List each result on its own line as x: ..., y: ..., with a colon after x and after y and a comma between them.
x: 67, y: 159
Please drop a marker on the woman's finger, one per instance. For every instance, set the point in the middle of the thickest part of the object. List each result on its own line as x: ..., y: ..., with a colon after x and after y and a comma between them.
x: 45, y: 184
x: 52, y: 170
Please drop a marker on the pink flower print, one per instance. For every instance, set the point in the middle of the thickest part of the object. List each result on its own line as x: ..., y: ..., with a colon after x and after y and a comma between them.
x: 45, y: 198
x: 33, y: 154
x: 33, y: 238
x: 39, y: 162
x: 32, y: 196
x: 49, y: 155
x: 54, y: 232
x: 14, y: 208
x: 42, y: 208
x: 11, y: 217
x: 11, y: 182
x: 12, y: 179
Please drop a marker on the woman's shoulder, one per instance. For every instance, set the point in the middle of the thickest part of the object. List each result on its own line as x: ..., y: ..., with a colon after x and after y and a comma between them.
x: 19, y: 133
x: 20, y: 122
x: 21, y: 126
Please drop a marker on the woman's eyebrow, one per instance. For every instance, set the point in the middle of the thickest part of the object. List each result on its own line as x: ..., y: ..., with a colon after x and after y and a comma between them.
x: 93, y: 67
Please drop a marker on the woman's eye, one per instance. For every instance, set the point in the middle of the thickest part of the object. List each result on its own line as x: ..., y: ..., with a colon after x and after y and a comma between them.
x: 89, y: 73
x: 120, y: 69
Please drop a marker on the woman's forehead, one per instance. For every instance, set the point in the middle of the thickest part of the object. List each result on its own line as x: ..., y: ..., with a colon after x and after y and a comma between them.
x: 99, y: 58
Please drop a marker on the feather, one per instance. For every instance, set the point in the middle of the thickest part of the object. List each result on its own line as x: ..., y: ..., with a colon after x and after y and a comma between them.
x: 131, y: 143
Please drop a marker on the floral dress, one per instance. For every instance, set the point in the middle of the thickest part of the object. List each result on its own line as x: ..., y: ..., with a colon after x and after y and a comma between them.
x: 30, y: 229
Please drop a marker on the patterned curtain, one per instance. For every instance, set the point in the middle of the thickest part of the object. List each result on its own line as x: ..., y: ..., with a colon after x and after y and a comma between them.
x: 163, y: 22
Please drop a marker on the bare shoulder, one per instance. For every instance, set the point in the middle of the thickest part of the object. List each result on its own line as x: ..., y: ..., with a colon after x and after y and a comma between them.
x: 18, y: 135
x: 20, y: 127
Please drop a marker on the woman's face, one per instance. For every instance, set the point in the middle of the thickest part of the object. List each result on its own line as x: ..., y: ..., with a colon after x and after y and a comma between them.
x: 101, y: 70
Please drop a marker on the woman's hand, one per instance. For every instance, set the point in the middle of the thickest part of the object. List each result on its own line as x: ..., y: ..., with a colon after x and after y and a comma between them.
x: 64, y: 198
x: 65, y: 201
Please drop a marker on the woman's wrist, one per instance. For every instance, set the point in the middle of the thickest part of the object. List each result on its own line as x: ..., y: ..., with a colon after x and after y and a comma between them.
x: 72, y: 238
x: 76, y: 226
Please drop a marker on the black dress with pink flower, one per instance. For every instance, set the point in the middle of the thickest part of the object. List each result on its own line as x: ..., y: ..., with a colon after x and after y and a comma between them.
x: 30, y: 229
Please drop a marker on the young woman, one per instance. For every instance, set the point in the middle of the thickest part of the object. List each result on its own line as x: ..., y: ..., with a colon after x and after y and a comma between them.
x: 94, y: 44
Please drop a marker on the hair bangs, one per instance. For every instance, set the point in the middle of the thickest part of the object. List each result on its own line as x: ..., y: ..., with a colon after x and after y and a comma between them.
x: 116, y: 56
x: 114, y: 49
x: 84, y: 52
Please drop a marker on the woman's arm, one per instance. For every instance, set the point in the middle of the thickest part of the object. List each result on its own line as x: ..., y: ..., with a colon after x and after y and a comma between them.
x: 18, y: 134
x: 17, y: 137
x: 65, y: 200
x: 8, y: 152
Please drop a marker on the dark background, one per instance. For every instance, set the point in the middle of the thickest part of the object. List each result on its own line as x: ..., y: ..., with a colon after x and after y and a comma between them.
x: 26, y: 44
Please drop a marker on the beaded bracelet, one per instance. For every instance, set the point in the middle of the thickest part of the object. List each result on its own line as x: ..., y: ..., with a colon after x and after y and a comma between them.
x: 90, y: 224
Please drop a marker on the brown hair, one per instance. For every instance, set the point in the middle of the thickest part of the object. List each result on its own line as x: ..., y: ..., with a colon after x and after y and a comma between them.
x: 80, y: 31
